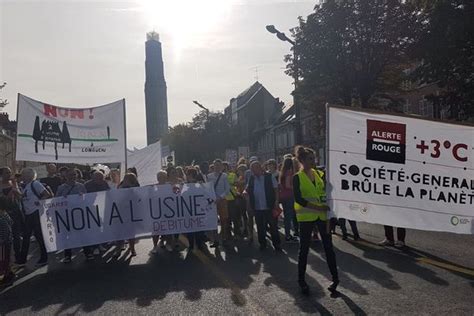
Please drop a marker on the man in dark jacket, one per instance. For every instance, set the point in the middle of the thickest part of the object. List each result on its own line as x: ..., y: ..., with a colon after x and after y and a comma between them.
x: 263, y: 194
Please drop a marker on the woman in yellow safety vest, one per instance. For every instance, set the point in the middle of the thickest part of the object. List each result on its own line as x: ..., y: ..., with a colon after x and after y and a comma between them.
x: 311, y: 209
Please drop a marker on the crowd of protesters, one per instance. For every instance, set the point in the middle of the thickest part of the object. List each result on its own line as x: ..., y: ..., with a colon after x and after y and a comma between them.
x: 251, y: 193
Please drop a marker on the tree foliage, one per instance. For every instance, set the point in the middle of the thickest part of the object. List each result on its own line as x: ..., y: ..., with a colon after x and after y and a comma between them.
x: 3, y: 102
x: 205, y: 138
x: 446, y: 55
x: 350, y: 50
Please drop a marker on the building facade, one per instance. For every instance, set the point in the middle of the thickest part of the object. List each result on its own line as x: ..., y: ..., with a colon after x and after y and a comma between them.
x: 251, y: 113
x: 156, y: 101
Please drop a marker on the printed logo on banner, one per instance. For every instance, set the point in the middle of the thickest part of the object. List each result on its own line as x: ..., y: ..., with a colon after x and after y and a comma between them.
x: 386, y: 141
x: 456, y: 220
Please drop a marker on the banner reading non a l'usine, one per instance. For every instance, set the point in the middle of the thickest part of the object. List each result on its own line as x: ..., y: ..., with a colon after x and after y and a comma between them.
x: 95, y: 218
x: 49, y: 133
x: 401, y: 171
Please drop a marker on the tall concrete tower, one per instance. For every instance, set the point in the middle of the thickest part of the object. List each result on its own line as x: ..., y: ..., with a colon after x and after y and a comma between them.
x: 156, y: 101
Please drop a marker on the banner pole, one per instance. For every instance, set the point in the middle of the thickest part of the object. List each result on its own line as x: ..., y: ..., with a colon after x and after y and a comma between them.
x: 125, y: 134
x: 327, y: 161
x: 16, y: 134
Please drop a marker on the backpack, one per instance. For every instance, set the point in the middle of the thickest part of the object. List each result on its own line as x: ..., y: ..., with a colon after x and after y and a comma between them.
x: 36, y: 192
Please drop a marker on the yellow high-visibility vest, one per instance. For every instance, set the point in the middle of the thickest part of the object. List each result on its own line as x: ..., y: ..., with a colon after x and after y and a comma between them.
x: 232, y: 178
x: 315, y: 194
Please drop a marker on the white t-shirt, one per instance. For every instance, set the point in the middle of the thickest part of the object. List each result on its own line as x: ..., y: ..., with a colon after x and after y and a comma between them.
x: 29, y: 199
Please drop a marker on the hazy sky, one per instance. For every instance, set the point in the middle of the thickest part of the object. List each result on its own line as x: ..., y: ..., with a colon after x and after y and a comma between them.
x: 87, y: 53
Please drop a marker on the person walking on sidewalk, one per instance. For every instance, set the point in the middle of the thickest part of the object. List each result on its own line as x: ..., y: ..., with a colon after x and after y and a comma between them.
x: 312, y: 210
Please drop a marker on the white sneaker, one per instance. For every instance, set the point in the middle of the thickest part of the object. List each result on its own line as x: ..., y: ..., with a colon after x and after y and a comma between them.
x: 399, y: 244
x: 96, y: 252
x: 385, y: 242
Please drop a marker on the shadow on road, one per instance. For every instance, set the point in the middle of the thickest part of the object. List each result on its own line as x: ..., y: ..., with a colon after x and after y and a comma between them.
x: 401, y: 261
x: 84, y: 286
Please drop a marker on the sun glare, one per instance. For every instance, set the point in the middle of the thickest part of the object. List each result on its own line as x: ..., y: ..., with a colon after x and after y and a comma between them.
x: 184, y: 20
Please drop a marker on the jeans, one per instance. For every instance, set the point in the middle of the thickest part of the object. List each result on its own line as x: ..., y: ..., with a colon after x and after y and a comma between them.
x: 264, y: 217
x: 289, y: 217
x: 33, y: 225
x: 306, y: 228
x: 401, y: 232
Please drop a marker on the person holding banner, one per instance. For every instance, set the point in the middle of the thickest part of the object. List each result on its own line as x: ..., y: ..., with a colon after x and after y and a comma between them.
x: 311, y: 210
x: 97, y: 183
x: 162, y: 178
x: 196, y: 237
x: 130, y: 181
x: 72, y: 187
x: 389, y: 240
x: 33, y: 192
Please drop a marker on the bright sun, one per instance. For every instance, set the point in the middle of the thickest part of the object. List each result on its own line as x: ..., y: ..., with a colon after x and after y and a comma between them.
x: 183, y: 20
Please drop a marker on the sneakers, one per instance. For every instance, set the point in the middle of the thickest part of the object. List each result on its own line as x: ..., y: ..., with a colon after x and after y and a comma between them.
x: 333, y: 286
x: 67, y: 260
x: 90, y: 257
x: 385, y: 242
x: 96, y: 252
x: 399, y: 244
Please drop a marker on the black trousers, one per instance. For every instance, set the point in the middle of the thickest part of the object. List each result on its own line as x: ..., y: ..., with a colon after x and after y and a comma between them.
x: 196, y: 237
x: 32, y: 226
x: 306, y: 228
x: 401, y: 233
x: 264, y: 217
x: 17, y: 229
x: 355, y: 231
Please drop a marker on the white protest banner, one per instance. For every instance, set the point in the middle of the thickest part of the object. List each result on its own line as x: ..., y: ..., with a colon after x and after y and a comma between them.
x: 401, y: 171
x: 95, y: 218
x: 147, y: 161
x: 49, y: 133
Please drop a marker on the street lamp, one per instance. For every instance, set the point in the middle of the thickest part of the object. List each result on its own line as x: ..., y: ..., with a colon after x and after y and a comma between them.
x: 202, y: 107
x: 282, y: 36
